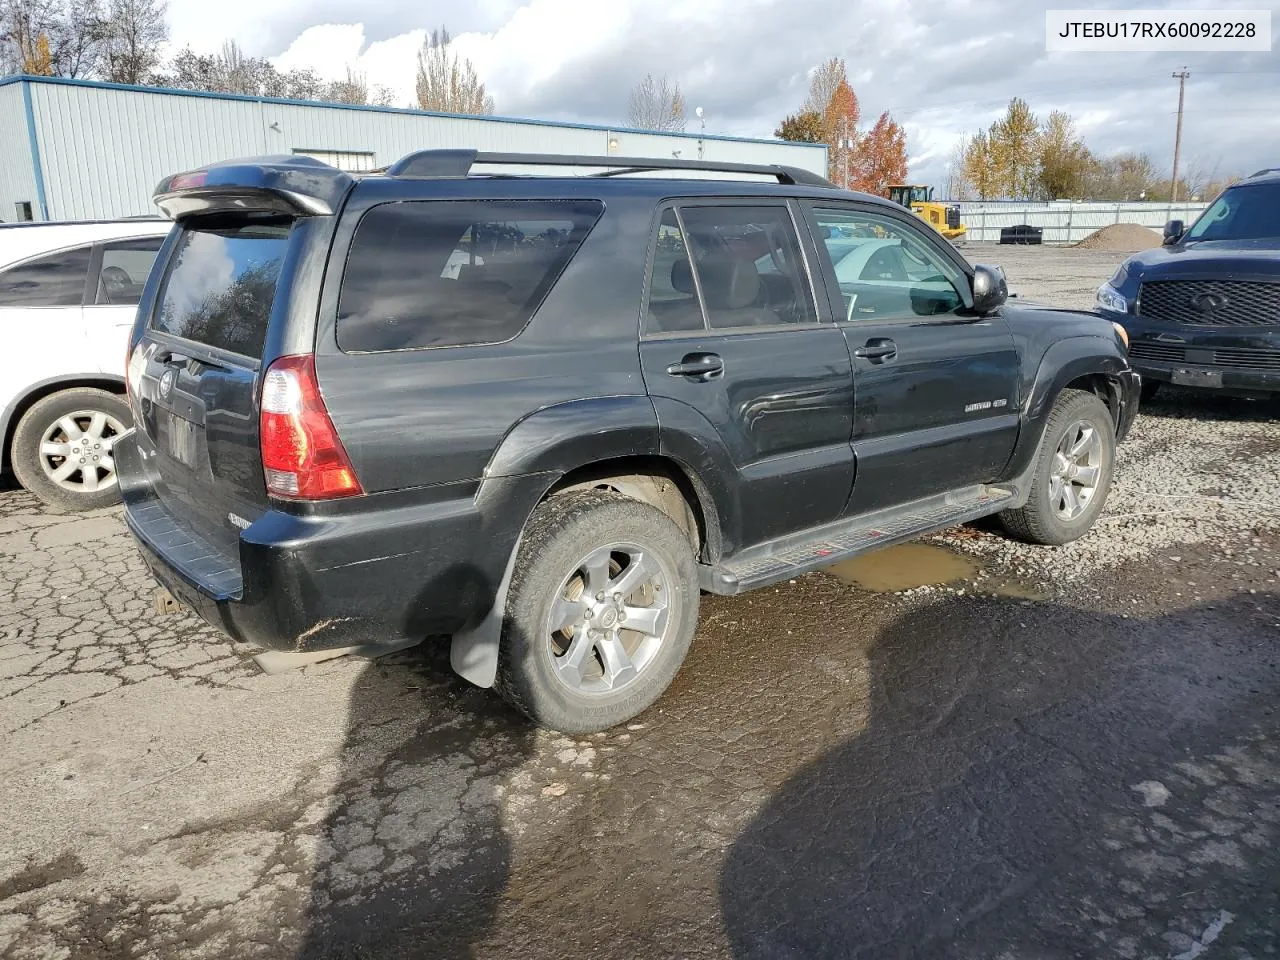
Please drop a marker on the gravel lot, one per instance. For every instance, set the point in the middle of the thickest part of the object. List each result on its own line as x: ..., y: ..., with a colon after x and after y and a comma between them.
x: 1087, y: 767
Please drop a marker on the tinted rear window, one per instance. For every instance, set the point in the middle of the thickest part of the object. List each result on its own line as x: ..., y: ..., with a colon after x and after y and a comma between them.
x: 221, y: 283
x: 56, y: 280
x: 448, y: 273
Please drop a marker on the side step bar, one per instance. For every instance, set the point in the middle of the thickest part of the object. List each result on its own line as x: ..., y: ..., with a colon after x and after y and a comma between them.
x: 819, y: 547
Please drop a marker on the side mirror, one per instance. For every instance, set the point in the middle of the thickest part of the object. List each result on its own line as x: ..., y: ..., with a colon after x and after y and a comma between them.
x: 990, y: 290
x: 1172, y: 232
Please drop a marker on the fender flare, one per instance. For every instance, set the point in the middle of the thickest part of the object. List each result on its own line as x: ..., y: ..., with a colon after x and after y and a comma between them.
x: 1064, y: 361
x: 545, y: 445
x: 557, y: 440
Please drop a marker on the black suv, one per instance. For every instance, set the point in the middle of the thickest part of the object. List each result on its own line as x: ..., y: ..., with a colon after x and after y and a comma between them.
x: 1203, y: 310
x: 541, y: 414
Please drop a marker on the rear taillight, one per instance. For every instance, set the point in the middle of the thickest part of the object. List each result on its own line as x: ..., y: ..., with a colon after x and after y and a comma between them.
x: 302, y: 457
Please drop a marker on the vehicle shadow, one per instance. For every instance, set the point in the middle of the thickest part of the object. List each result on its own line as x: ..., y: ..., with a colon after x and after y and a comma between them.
x: 413, y: 856
x: 1172, y: 403
x: 1032, y: 782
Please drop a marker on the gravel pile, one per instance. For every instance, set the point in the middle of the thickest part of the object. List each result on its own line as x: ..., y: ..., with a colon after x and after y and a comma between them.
x: 1194, y: 470
x: 1123, y: 238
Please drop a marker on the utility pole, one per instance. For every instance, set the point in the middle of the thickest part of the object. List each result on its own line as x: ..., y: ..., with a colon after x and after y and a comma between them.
x: 1181, y: 77
x: 844, y: 147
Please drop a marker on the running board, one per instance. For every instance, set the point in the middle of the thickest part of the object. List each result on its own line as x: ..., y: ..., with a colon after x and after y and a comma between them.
x: 819, y: 547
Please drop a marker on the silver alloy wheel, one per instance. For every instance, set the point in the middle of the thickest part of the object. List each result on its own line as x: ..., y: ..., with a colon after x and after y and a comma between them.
x: 609, y: 618
x: 1077, y: 468
x: 75, y: 451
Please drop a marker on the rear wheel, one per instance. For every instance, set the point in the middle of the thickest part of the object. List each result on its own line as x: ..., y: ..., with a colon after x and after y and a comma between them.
x: 62, y: 448
x: 1072, y: 474
x: 600, y: 612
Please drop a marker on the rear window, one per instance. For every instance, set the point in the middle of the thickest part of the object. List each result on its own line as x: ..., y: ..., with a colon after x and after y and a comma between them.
x: 56, y: 280
x: 441, y: 273
x: 221, y: 283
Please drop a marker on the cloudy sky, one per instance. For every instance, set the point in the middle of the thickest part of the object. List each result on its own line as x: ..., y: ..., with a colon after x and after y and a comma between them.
x: 941, y: 67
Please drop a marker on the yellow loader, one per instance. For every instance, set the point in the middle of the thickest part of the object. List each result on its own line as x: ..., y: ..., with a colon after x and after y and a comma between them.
x: 919, y: 199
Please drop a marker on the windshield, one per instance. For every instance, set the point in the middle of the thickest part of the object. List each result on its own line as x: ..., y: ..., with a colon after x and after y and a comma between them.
x: 1245, y: 212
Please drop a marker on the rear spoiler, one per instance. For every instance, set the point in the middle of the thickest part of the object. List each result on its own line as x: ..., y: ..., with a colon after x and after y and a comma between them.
x: 293, y: 185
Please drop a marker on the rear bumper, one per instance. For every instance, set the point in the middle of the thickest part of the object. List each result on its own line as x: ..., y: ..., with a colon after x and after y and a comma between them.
x: 386, y: 572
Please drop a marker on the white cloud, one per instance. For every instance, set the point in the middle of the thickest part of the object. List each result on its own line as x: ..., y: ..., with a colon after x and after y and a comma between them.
x: 329, y: 49
x: 942, y: 67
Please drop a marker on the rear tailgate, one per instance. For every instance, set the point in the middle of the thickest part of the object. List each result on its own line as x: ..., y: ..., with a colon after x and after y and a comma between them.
x: 197, y: 369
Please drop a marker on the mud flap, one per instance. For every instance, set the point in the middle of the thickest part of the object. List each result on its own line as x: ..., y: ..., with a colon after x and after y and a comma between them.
x: 474, y: 653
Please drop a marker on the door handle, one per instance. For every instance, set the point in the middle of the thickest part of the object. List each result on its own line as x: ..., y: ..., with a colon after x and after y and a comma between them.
x: 877, y: 350
x: 700, y: 367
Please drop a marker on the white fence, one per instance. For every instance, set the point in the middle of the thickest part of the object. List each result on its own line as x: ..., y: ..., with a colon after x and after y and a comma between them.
x: 1065, y: 223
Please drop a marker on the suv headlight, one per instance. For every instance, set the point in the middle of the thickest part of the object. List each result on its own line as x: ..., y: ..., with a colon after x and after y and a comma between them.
x: 1109, y: 298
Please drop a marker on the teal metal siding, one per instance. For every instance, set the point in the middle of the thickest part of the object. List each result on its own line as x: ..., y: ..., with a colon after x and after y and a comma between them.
x: 17, y: 169
x: 105, y: 146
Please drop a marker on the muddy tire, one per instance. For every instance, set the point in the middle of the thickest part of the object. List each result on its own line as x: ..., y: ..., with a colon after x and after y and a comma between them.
x: 61, y: 449
x: 1072, y: 475
x: 600, y: 613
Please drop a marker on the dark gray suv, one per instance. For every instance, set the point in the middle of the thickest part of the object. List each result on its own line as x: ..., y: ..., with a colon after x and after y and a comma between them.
x: 541, y: 414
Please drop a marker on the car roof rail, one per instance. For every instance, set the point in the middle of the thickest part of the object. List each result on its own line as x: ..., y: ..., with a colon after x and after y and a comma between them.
x: 458, y: 163
x: 1265, y: 171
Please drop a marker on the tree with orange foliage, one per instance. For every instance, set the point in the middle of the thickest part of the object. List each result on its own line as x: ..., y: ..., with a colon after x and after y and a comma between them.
x: 856, y: 161
x: 881, y: 157
x: 841, y: 121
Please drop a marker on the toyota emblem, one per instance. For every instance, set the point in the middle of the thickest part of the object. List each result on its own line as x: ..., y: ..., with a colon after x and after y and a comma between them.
x: 166, y: 383
x: 1208, y: 302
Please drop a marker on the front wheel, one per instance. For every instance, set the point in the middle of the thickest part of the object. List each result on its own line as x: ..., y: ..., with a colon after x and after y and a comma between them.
x: 1072, y: 474
x: 600, y: 613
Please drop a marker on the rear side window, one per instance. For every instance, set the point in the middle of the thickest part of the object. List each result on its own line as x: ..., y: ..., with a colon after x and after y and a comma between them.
x: 749, y: 266
x: 125, y: 267
x: 450, y: 273
x: 221, y: 283
x: 56, y: 280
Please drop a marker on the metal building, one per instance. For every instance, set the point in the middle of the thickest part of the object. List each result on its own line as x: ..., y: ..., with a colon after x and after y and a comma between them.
x: 74, y: 149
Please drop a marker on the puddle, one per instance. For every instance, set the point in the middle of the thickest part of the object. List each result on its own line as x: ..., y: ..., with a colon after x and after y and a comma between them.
x: 911, y: 565
x: 903, y: 567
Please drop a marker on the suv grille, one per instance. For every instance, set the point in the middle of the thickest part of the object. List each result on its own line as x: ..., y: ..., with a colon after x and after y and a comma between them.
x: 1255, y: 358
x: 1230, y: 303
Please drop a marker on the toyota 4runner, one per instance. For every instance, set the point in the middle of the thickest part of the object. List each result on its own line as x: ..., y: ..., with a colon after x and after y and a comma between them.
x: 540, y: 414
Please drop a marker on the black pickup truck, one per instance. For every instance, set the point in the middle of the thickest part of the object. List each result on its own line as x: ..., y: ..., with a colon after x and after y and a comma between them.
x: 541, y: 413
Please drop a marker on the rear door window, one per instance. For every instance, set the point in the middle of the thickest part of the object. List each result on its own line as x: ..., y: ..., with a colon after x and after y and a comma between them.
x: 450, y: 273
x: 221, y: 284
x: 125, y: 267
x: 749, y: 267
x: 55, y: 280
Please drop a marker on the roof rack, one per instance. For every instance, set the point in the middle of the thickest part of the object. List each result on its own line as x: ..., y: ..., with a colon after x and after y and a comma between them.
x: 458, y: 163
x: 1261, y: 172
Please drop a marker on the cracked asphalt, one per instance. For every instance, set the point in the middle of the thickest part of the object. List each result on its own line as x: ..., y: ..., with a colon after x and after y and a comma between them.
x: 940, y: 772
